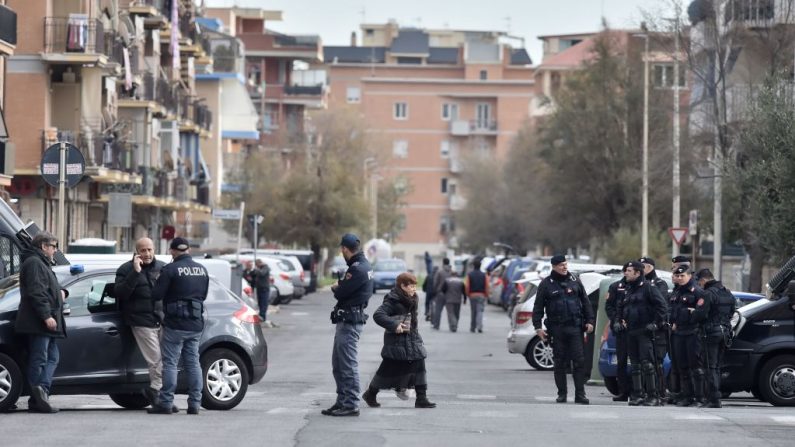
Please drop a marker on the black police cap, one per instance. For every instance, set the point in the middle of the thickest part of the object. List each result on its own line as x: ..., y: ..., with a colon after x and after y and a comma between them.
x: 681, y: 258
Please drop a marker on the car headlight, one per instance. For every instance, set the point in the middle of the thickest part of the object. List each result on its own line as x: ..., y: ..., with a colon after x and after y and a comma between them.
x: 737, y: 322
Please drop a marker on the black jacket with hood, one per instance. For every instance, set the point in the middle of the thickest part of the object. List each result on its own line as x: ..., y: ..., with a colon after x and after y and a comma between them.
x: 397, y: 308
x: 40, y: 296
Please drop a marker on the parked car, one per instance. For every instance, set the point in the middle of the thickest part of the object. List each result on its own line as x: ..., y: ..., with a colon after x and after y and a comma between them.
x: 513, y: 272
x: 296, y: 272
x: 496, y: 285
x: 385, y: 272
x: 100, y: 356
x: 279, y: 276
x: 307, y: 258
x: 338, y: 267
x: 761, y: 358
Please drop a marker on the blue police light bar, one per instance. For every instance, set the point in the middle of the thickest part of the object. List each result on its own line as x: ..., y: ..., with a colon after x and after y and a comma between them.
x: 77, y: 269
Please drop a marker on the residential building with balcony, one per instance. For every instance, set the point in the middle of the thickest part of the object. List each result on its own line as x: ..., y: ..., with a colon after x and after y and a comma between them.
x: 437, y: 98
x: 121, y: 90
x: 8, y: 42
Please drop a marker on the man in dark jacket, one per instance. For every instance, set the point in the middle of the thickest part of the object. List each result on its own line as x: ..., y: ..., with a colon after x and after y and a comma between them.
x: 352, y: 293
x: 477, y: 290
x: 453, y: 294
x: 182, y: 287
x: 263, y: 289
x: 662, y: 336
x: 685, y: 314
x: 614, y: 298
x: 439, y: 279
x: 569, y: 314
x: 40, y: 317
x: 133, y: 288
x: 717, y: 312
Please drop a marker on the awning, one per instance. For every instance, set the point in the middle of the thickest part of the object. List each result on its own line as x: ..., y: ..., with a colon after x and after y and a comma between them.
x: 3, y: 127
x: 239, y: 117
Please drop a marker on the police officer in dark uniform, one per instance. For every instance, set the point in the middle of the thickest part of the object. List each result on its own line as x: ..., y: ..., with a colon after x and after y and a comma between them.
x: 615, y: 294
x: 661, y: 336
x: 352, y: 293
x: 182, y: 287
x: 686, y: 299
x: 569, y: 313
x: 640, y: 314
x: 673, y: 378
x: 719, y: 307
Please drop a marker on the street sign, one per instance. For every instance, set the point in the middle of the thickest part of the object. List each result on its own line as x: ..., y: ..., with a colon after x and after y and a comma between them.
x: 692, y: 223
x: 233, y: 214
x: 678, y: 234
x: 75, y: 165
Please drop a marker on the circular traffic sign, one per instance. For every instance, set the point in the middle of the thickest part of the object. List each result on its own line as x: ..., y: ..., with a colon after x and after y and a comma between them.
x: 51, y: 161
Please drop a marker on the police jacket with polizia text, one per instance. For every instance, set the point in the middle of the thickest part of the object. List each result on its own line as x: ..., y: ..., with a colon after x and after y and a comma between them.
x: 356, y: 287
x: 182, y: 286
x: 684, y: 302
x: 718, y: 309
x: 564, y: 299
x: 642, y: 305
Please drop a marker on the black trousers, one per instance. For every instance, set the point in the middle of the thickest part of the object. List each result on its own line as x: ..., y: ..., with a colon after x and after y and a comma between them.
x: 624, y: 384
x: 687, y: 348
x: 714, y: 351
x: 639, y: 347
x: 568, y: 346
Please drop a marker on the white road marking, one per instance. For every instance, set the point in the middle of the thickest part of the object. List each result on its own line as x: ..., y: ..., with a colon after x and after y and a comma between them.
x: 494, y: 414
x: 697, y: 417
x: 789, y: 420
x: 476, y: 397
x: 317, y: 394
x: 97, y: 407
x: 594, y: 415
x: 546, y: 398
x: 299, y: 314
x: 282, y: 410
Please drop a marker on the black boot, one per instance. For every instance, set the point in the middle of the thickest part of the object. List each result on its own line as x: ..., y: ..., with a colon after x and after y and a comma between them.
x: 560, y: 382
x: 637, y: 387
x: 649, y: 376
x: 369, y: 397
x: 422, y: 398
x: 579, y: 385
x: 686, y: 394
x: 698, y: 386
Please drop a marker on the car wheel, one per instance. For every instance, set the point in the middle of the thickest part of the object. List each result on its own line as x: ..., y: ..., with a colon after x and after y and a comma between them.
x: 225, y: 379
x: 286, y: 299
x: 611, y: 383
x: 777, y: 380
x: 539, y: 355
x: 10, y: 382
x: 130, y: 401
x: 276, y: 301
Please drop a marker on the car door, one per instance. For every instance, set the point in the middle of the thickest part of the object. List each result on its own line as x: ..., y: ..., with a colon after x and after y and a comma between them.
x: 96, y: 343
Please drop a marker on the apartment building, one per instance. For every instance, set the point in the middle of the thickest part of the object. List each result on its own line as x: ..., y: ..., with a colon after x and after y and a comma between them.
x: 116, y: 79
x: 8, y: 42
x: 436, y: 98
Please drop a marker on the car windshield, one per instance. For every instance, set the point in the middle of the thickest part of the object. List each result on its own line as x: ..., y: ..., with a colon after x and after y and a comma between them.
x: 390, y: 266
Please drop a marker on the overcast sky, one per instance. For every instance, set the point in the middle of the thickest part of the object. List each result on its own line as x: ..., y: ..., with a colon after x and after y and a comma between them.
x: 334, y: 20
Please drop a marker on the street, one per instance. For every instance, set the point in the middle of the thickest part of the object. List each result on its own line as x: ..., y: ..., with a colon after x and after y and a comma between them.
x: 485, y: 396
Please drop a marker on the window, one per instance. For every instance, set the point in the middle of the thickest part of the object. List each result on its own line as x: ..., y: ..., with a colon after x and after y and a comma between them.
x: 353, y: 95
x: 664, y: 76
x: 484, y: 75
x: 449, y: 111
x: 444, y: 185
x: 446, y: 225
x: 369, y: 32
x: 409, y: 60
x: 445, y: 149
x: 401, y: 185
x: 86, y: 292
x: 400, y: 149
x: 401, y: 111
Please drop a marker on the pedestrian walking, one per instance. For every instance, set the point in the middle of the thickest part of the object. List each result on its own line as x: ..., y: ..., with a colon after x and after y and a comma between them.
x: 403, y: 364
x: 719, y: 307
x: 562, y: 297
x: 640, y: 314
x: 352, y: 293
x: 182, y: 288
x: 438, y: 282
x: 134, y: 282
x: 477, y: 290
x: 453, y: 294
x: 263, y: 288
x: 685, y: 300
x: 615, y: 295
x: 40, y: 318
x: 429, y: 289
x: 662, y: 337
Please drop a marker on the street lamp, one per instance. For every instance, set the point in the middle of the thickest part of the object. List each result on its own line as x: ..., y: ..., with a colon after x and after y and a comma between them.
x: 644, y: 232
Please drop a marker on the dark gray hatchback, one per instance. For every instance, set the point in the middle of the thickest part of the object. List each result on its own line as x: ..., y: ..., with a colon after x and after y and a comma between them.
x: 100, y: 356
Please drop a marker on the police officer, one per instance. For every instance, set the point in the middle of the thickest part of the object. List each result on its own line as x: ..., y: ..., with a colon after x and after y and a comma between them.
x: 182, y: 287
x: 719, y: 307
x: 673, y: 377
x: 640, y: 314
x: 352, y: 293
x: 569, y: 312
x: 662, y: 335
x: 615, y: 294
x: 686, y: 299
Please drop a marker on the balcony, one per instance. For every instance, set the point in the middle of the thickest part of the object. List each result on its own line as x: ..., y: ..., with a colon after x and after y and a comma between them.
x: 464, y: 128
x: 74, y: 40
x: 8, y: 30
x: 108, y: 160
x: 306, y: 48
x: 203, y: 116
x: 155, y: 12
x: 153, y: 93
x: 758, y: 13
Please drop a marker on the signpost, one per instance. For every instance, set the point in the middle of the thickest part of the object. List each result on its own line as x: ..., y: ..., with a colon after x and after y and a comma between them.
x: 62, y: 165
x: 678, y: 234
x: 233, y: 214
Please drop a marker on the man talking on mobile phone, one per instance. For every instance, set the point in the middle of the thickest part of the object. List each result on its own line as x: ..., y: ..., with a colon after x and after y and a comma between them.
x: 133, y: 289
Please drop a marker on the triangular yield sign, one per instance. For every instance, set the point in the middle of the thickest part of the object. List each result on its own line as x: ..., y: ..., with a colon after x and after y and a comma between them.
x: 678, y: 234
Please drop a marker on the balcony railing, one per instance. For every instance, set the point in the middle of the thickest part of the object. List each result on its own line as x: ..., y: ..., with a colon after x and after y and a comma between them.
x: 296, y: 41
x: 202, y: 116
x: 315, y: 90
x: 483, y: 125
x: 75, y: 34
x: 98, y: 150
x: 8, y: 25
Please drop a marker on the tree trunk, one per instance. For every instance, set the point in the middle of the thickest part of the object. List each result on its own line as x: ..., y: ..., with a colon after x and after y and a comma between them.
x: 757, y: 256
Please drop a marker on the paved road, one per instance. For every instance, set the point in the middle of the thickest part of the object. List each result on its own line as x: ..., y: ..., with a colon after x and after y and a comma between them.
x: 485, y: 395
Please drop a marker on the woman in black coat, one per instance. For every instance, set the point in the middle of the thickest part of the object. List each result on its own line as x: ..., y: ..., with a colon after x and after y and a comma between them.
x: 404, y: 355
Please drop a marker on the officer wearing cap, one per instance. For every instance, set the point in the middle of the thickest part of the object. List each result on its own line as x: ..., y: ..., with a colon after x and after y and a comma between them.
x: 717, y: 312
x: 615, y: 294
x: 676, y: 261
x: 640, y: 314
x: 562, y: 296
x: 182, y: 287
x: 686, y: 313
x: 661, y: 337
x: 352, y: 293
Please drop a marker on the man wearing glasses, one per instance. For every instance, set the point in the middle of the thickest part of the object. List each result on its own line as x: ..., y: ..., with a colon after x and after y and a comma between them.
x: 40, y: 317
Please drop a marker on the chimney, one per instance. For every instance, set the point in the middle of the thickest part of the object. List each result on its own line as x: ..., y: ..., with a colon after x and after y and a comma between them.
x: 353, y: 38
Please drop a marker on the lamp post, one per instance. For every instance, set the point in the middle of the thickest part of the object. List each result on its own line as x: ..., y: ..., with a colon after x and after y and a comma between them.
x: 676, y: 189
x: 644, y: 232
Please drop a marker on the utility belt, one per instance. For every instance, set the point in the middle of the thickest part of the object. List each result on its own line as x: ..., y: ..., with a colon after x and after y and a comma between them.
x: 352, y: 315
x: 184, y: 309
x: 725, y: 335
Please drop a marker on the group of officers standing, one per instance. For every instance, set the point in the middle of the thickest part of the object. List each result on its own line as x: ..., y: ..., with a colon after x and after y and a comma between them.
x: 691, y: 324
